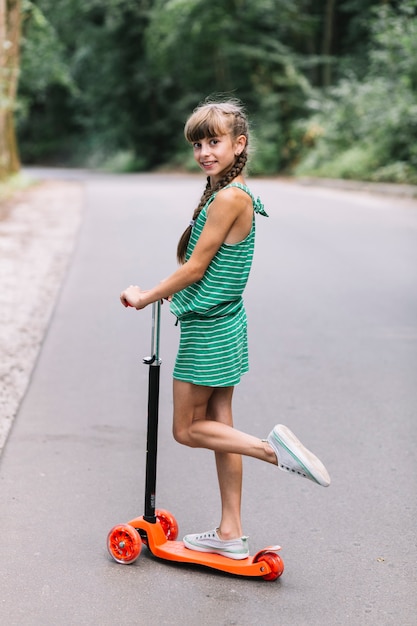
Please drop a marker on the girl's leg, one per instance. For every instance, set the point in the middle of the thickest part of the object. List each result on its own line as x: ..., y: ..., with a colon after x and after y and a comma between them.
x: 192, y: 428
x: 229, y: 474
x: 229, y: 468
x: 203, y: 418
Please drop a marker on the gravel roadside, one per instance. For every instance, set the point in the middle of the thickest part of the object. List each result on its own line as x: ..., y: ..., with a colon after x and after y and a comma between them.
x: 38, y: 229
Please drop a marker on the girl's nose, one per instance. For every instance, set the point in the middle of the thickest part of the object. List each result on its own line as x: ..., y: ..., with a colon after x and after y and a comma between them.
x: 205, y: 148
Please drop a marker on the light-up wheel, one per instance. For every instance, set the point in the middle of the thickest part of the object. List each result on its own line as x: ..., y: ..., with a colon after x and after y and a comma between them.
x: 168, y: 523
x: 124, y: 543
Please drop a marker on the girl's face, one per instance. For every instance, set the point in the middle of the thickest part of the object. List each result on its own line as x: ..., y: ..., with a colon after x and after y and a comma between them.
x: 216, y: 155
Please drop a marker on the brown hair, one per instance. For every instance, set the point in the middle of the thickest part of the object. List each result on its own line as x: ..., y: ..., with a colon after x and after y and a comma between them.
x: 213, y: 119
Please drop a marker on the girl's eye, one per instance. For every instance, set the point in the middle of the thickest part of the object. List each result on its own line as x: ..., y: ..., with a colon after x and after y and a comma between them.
x: 196, y: 145
x: 214, y: 141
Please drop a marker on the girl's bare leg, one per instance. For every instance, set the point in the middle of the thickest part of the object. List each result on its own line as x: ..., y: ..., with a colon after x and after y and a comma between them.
x: 229, y: 474
x: 203, y: 418
x: 229, y: 468
x: 192, y: 428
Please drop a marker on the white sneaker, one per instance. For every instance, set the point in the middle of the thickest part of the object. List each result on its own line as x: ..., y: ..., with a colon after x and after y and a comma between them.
x: 293, y: 457
x: 210, y: 542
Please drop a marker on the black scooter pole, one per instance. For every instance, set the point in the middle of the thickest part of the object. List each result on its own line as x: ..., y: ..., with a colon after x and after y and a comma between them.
x: 154, y: 363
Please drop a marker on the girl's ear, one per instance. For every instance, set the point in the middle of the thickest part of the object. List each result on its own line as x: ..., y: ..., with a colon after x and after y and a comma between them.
x: 240, y: 144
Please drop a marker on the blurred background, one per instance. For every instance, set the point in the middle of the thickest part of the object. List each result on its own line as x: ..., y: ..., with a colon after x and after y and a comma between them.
x: 330, y: 86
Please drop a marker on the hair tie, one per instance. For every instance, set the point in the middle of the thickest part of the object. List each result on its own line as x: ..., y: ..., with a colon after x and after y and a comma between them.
x: 192, y: 223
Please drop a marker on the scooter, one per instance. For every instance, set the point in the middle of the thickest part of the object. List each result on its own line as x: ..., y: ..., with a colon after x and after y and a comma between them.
x: 157, y: 529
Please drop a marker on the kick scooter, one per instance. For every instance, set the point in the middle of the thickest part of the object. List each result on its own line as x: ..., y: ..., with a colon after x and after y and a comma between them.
x: 158, y: 529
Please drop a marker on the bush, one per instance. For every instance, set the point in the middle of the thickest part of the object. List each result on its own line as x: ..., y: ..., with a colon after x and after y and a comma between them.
x: 368, y: 129
x: 398, y: 172
x: 123, y: 162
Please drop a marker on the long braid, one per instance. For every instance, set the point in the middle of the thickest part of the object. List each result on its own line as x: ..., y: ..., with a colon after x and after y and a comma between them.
x: 185, y: 237
x: 235, y: 170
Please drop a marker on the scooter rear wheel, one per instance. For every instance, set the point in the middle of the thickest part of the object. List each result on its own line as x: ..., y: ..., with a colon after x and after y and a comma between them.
x: 275, y: 563
x: 169, y: 524
x: 124, y: 543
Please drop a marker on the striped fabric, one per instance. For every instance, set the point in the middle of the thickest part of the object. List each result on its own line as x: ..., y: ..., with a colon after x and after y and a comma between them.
x: 213, y: 351
x: 213, y: 347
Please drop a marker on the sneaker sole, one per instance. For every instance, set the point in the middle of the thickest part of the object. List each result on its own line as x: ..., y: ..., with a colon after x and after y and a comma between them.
x: 312, y: 465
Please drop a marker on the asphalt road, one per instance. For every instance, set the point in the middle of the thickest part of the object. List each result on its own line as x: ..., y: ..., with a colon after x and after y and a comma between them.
x: 332, y: 308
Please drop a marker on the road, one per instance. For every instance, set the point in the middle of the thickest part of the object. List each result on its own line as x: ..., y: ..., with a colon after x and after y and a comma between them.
x: 332, y: 309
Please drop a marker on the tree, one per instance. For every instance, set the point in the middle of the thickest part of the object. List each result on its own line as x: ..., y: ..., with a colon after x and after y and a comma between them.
x: 110, y: 82
x: 85, y: 94
x: 366, y: 127
x: 243, y: 48
x: 10, y: 26
x: 327, y: 41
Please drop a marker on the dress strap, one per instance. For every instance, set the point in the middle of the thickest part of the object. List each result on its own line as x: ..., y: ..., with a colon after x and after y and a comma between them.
x: 257, y: 204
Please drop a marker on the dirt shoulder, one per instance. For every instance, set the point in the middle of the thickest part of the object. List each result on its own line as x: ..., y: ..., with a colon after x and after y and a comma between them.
x: 38, y: 228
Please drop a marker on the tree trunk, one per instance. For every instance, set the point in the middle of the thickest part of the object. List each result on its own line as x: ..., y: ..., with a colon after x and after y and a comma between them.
x: 327, y: 42
x: 10, y: 25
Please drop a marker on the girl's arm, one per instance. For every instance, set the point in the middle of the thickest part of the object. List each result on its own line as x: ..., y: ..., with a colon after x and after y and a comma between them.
x: 224, y: 212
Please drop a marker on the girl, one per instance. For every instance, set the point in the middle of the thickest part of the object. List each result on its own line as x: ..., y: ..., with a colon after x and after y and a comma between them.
x: 215, y: 255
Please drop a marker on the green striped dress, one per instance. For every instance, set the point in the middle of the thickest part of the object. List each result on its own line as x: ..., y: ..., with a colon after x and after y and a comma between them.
x: 213, y: 348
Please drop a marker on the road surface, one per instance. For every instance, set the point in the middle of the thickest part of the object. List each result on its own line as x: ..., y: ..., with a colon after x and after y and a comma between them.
x: 332, y: 315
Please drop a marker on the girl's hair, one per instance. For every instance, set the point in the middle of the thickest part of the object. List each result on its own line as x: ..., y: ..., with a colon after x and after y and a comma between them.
x: 213, y: 119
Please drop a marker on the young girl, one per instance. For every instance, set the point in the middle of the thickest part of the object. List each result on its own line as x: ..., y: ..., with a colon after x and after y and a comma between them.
x: 215, y: 254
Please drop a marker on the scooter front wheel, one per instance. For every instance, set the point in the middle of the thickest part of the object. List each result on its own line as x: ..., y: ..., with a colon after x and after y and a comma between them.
x: 169, y: 524
x: 124, y: 543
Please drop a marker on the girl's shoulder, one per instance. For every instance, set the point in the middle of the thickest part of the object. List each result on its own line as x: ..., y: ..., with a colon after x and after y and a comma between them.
x: 233, y: 193
x: 236, y: 184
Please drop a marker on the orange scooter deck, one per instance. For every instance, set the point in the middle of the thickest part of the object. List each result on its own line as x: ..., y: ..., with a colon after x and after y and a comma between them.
x: 176, y: 551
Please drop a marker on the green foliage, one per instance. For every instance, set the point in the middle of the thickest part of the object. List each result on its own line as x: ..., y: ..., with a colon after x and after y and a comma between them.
x: 134, y: 69
x: 368, y: 129
x: 46, y: 89
x: 237, y: 47
x: 43, y: 53
x: 102, y: 107
x: 394, y: 38
x: 123, y: 162
x: 109, y: 83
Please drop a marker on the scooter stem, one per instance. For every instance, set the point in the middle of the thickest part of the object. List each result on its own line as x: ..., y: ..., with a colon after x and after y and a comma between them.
x: 154, y: 363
